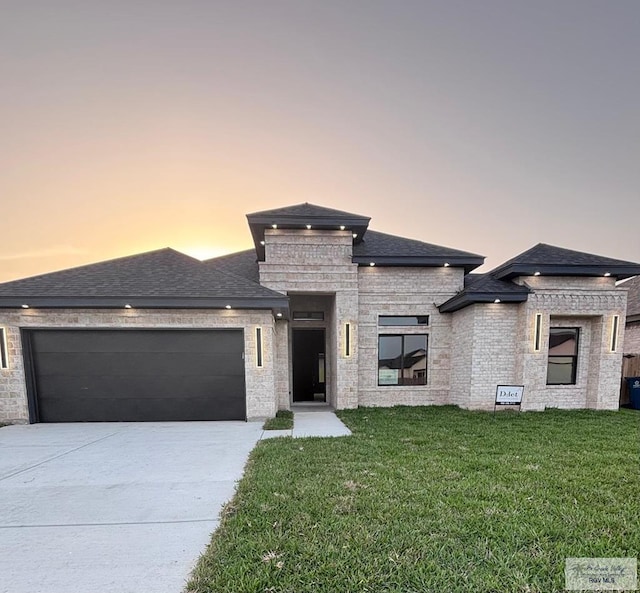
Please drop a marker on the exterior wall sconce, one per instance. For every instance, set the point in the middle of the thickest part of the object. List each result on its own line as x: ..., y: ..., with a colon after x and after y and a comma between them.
x: 347, y: 340
x: 4, y: 351
x: 537, y: 333
x: 615, y: 322
x: 259, y: 361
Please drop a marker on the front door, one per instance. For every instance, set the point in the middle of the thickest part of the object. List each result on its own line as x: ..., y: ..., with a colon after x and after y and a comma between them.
x: 309, y: 370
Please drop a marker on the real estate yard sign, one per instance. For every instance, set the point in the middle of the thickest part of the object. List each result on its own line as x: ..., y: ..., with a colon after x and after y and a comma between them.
x: 508, y: 395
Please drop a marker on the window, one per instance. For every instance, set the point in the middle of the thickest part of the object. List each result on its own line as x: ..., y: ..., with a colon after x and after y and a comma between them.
x: 4, y: 360
x: 403, y: 320
x: 308, y: 315
x: 563, y: 355
x: 402, y: 360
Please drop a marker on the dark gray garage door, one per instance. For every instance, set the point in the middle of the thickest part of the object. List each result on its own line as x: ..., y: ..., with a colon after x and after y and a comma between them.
x: 135, y: 375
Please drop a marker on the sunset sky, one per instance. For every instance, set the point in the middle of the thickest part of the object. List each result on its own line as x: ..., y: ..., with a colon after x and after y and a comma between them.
x: 484, y: 125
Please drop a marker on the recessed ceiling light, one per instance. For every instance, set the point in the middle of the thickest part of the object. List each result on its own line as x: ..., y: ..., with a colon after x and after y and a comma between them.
x: 262, y: 243
x: 446, y: 264
x: 607, y: 274
x: 355, y: 235
x: 278, y: 314
x: 372, y: 264
x: 274, y: 226
x: 127, y: 306
x: 497, y: 301
x: 536, y: 273
x: 342, y: 227
x: 308, y: 227
x: 227, y: 306
x: 25, y: 306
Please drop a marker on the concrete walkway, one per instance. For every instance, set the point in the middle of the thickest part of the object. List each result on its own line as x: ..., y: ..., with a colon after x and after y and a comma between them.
x: 312, y: 422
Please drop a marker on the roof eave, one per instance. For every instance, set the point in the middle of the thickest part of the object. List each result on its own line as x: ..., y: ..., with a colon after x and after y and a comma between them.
x: 142, y: 302
x: 462, y: 300
x: 615, y: 271
x: 468, y: 263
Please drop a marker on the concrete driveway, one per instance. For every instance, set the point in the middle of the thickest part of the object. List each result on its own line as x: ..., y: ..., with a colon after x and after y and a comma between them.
x: 117, y: 507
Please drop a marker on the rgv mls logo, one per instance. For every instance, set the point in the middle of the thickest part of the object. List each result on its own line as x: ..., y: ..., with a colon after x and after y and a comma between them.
x: 601, y: 574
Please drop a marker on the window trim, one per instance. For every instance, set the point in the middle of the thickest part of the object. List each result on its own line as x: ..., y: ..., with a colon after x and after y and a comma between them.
x: 574, y: 366
x: 4, y: 350
x: 403, y: 354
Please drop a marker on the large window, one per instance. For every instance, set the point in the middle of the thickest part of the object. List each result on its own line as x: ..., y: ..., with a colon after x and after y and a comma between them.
x: 563, y: 355
x: 402, y: 359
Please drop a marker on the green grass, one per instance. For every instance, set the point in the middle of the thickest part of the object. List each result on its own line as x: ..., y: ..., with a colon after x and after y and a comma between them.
x: 432, y: 499
x: 282, y: 421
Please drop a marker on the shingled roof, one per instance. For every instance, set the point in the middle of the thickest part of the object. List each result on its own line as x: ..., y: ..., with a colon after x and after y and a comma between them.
x: 549, y: 260
x: 162, y: 278
x: 485, y: 288
x: 383, y: 249
x: 301, y: 215
x: 241, y: 263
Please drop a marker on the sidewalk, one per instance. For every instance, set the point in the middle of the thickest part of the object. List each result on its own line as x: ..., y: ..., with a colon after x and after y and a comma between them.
x: 321, y: 422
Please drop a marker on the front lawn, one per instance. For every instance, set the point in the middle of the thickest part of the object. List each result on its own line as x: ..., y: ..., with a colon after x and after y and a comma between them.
x: 283, y: 421
x: 432, y: 499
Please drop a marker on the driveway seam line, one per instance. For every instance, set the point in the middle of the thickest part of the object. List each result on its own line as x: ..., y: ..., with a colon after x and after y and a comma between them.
x: 56, y: 457
x: 109, y: 524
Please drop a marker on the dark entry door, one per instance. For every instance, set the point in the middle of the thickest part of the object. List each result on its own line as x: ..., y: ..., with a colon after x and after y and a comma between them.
x: 135, y: 375
x: 309, y: 370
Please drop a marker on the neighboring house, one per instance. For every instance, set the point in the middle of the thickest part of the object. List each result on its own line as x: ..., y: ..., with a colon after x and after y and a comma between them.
x: 632, y: 329
x: 322, y: 309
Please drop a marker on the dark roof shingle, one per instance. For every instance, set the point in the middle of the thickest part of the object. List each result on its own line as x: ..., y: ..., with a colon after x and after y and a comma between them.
x: 161, y: 274
x: 550, y: 260
x: 242, y: 263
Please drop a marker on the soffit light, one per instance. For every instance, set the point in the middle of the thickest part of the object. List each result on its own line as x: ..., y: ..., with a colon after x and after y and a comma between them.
x: 446, y: 264
x: 262, y: 243
x: 607, y: 274
x: 536, y: 273
x: 278, y: 314
x: 127, y: 306
x: 274, y: 226
x: 227, y: 306
x: 308, y: 227
x: 355, y: 235
x: 342, y: 227
x: 25, y: 306
x: 497, y: 301
x: 372, y: 264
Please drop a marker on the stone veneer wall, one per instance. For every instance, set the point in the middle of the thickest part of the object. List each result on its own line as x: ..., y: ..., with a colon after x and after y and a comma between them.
x: 587, y: 303
x: 260, y: 389
x: 319, y: 262
x: 405, y: 291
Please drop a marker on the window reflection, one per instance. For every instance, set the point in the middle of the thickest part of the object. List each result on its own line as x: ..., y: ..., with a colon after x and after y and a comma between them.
x: 402, y: 360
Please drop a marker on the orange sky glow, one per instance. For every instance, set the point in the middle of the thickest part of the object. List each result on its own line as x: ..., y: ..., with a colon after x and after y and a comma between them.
x: 487, y: 127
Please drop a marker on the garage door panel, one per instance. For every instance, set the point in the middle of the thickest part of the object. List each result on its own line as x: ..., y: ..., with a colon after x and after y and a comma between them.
x: 88, y: 364
x: 137, y: 375
x: 133, y: 410
x: 124, y: 387
x: 125, y: 340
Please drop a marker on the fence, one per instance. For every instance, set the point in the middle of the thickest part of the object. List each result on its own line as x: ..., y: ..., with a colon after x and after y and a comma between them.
x: 630, y: 368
